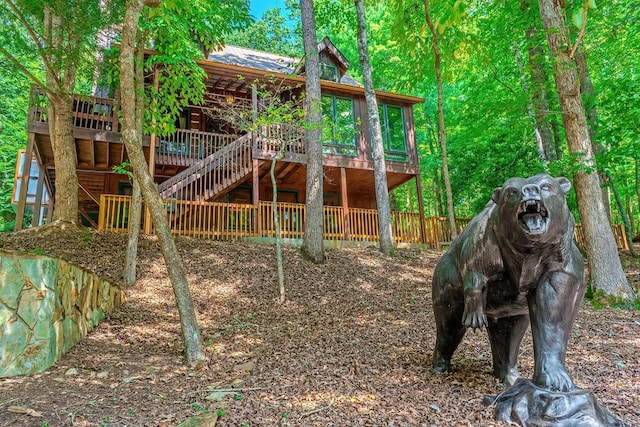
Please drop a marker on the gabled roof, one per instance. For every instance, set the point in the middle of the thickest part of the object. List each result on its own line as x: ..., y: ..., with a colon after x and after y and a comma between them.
x: 264, y: 61
x: 327, y: 45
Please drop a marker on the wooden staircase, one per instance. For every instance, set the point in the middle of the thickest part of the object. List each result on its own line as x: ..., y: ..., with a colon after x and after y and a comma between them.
x: 213, y: 175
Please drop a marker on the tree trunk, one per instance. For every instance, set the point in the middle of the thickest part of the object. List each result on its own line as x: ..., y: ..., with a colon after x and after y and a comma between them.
x: 375, y: 137
x: 589, y: 99
x: 129, y: 274
x: 607, y: 275
x: 61, y: 81
x: 537, y: 132
x: 135, y: 214
x: 557, y: 137
x: 191, y: 333
x: 441, y: 127
x: 436, y: 177
x: 313, y: 243
x: 276, y: 222
x: 64, y: 157
x: 539, y: 92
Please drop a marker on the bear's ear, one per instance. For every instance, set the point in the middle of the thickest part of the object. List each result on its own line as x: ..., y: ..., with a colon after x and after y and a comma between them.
x: 565, y: 184
x: 495, y: 196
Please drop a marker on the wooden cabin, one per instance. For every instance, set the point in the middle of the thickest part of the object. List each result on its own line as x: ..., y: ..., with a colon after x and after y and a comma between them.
x: 215, y: 177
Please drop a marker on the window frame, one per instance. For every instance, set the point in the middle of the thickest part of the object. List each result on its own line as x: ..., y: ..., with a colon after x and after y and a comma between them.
x: 334, y: 147
x: 391, y: 154
x: 334, y: 71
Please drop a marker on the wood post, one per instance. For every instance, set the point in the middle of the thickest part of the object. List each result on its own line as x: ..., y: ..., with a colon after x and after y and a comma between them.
x: 345, y: 204
x: 24, y: 181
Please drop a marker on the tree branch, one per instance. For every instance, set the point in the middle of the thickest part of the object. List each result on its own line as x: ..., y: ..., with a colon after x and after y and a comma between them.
x: 26, y: 71
x: 35, y: 39
x: 582, y: 30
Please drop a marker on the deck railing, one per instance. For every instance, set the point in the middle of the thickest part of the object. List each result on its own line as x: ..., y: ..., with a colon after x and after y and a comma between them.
x: 618, y: 233
x: 185, y: 147
x: 205, y: 178
x: 228, y: 221
x: 88, y: 112
x: 270, y: 138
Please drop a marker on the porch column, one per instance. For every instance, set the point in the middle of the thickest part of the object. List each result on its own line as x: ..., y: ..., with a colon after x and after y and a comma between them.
x: 345, y: 204
x: 255, y: 196
x: 24, y: 182
x: 423, y: 230
x: 152, y: 158
x: 35, y: 221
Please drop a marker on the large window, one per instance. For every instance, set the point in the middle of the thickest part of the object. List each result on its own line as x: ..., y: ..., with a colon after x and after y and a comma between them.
x: 338, y: 126
x: 393, y: 136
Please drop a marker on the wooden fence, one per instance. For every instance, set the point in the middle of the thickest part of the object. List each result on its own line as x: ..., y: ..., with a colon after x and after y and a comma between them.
x: 229, y: 221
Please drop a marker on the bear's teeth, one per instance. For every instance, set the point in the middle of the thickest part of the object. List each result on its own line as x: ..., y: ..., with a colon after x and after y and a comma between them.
x: 534, y: 222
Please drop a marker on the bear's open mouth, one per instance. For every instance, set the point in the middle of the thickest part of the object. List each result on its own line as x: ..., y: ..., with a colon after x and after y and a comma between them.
x: 533, y: 216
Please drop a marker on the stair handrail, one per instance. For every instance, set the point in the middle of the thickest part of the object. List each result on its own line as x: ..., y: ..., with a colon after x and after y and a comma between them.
x: 203, y: 164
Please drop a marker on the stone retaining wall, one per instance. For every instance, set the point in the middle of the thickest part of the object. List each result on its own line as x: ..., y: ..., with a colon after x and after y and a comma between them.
x: 47, y: 306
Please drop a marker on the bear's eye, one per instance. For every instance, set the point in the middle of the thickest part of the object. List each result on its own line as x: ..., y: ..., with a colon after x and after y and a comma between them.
x: 546, y: 187
x: 512, y: 193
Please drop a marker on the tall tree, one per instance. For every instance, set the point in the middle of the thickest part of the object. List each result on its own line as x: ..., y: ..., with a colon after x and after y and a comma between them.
x: 607, y: 275
x: 129, y: 273
x: 194, y: 350
x: 588, y: 95
x: 441, y: 127
x: 538, y: 96
x: 375, y: 136
x: 313, y: 243
x: 60, y: 33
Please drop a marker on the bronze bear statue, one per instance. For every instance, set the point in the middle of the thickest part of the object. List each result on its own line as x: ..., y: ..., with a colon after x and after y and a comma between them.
x: 515, y: 263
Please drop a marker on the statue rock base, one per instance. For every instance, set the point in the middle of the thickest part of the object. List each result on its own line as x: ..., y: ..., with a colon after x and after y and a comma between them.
x: 528, y: 405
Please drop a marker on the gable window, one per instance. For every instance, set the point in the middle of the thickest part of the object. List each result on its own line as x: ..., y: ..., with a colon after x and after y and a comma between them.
x: 329, y: 72
x: 338, y: 126
x: 393, y: 136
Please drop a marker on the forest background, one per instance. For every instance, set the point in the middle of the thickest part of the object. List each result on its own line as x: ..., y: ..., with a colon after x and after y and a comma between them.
x: 487, y: 87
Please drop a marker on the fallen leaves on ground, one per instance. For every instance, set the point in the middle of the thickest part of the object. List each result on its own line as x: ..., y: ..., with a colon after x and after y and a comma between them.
x: 351, y: 346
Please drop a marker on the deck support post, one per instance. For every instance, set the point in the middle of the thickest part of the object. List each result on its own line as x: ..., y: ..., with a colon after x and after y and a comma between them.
x: 24, y: 181
x: 345, y: 204
x: 152, y: 159
x: 423, y: 231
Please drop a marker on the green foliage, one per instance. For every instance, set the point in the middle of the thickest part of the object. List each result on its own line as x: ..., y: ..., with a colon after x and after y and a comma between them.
x: 14, y: 101
x: 124, y: 168
x: 271, y: 33
x: 601, y: 301
x: 489, y: 133
x: 181, y: 30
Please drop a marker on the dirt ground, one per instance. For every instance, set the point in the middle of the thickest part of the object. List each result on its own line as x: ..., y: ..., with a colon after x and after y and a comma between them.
x: 350, y: 347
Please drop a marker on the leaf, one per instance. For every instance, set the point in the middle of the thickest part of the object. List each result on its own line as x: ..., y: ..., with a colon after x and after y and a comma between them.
x: 578, y: 17
x: 217, y: 395
x: 592, y: 4
x: 23, y: 410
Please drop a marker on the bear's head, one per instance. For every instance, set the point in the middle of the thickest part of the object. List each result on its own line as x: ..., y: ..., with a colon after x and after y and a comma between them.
x: 533, y: 210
